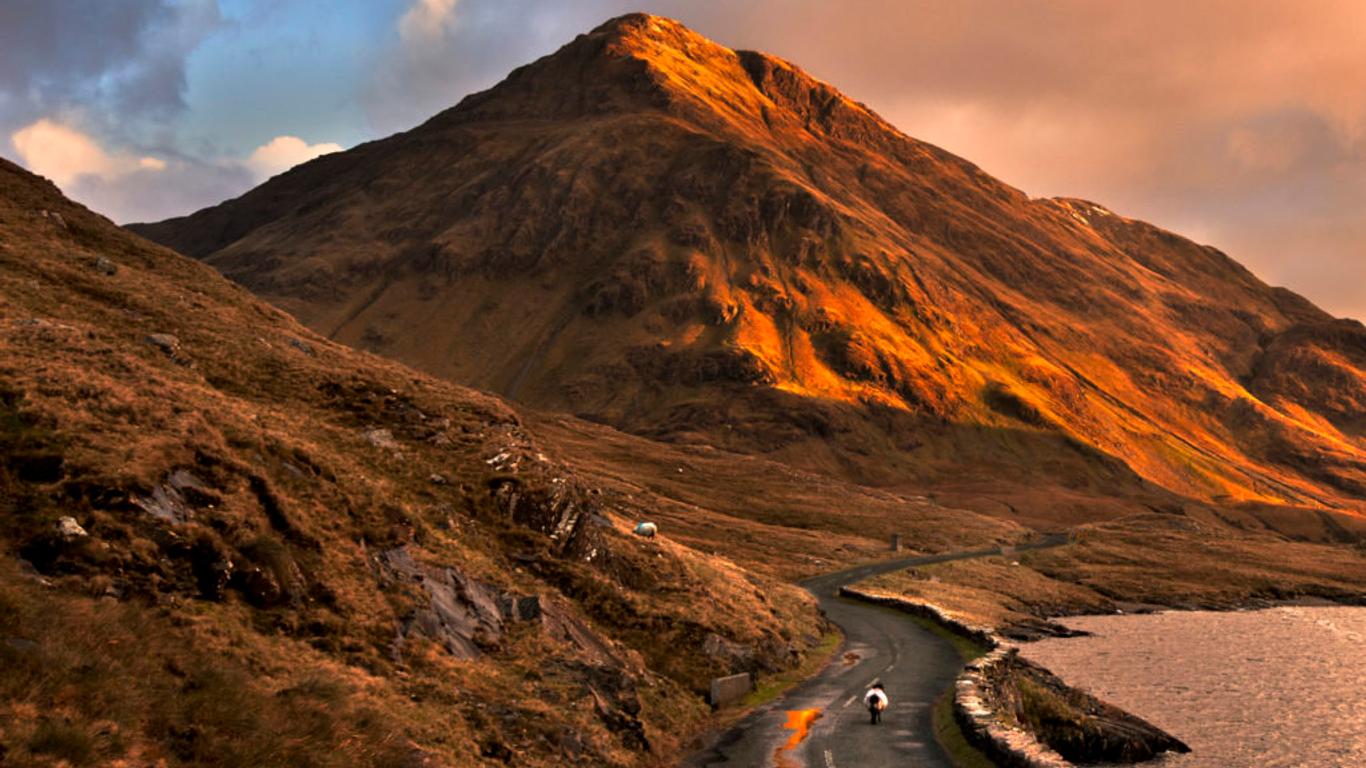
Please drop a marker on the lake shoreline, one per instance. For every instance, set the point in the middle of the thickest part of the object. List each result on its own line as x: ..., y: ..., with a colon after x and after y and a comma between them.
x: 1285, y: 684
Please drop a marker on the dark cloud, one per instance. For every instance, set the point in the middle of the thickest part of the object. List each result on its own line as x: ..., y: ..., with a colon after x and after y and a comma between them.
x: 112, y: 74
x: 118, y: 64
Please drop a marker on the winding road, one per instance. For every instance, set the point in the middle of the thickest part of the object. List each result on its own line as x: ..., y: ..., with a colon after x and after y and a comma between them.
x: 914, y: 664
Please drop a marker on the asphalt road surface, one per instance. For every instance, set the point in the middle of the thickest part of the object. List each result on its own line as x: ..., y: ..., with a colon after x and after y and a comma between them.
x: 914, y: 665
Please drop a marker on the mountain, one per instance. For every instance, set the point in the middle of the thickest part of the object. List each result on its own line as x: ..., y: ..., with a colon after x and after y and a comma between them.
x: 226, y: 540
x: 709, y: 246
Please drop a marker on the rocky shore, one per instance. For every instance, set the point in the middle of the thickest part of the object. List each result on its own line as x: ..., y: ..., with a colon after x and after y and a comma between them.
x: 1023, y: 716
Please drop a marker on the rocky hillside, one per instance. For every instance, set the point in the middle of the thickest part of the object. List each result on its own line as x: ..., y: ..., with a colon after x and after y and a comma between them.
x: 227, y: 540
x: 708, y: 245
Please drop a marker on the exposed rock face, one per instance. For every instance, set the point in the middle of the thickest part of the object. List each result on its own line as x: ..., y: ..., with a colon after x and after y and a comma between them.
x: 685, y: 240
x: 734, y: 655
x: 461, y: 613
x: 165, y: 342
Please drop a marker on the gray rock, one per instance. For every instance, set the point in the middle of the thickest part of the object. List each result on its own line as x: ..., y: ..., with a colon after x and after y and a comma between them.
x: 302, y: 346
x: 382, y: 438
x: 436, y: 479
x: 529, y: 608
x: 69, y: 529
x: 164, y: 341
x: 462, y: 613
x: 520, y: 608
x: 166, y: 503
x: 732, y: 654
x: 184, y: 480
x: 20, y: 644
x: 104, y: 266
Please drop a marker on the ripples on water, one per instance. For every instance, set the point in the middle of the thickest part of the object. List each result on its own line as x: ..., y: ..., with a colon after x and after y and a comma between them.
x: 1272, y: 688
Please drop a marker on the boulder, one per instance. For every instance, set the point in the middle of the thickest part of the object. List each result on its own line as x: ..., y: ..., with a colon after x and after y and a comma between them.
x: 69, y: 529
x: 733, y: 655
x: 520, y: 608
x: 105, y: 267
x: 382, y: 438
x: 164, y: 341
x: 165, y: 503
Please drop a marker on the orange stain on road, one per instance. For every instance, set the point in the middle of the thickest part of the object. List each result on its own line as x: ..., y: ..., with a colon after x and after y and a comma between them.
x: 799, y: 722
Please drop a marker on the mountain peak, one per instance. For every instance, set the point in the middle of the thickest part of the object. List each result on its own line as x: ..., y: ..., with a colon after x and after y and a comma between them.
x: 646, y: 220
x: 644, y: 61
x: 640, y: 26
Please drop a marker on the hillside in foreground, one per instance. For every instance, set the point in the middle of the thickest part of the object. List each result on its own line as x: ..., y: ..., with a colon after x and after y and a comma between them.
x: 226, y: 540
x: 712, y: 247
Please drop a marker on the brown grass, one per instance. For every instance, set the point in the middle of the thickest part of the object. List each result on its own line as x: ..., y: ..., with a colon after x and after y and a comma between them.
x: 1153, y: 560
x: 266, y: 581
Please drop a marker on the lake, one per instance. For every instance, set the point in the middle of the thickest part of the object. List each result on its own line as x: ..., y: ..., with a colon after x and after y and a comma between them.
x: 1270, y: 688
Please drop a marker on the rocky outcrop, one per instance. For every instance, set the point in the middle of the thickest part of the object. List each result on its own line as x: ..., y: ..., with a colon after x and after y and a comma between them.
x: 460, y: 613
x: 974, y: 709
x: 1075, y: 725
x: 734, y: 655
x: 1023, y: 716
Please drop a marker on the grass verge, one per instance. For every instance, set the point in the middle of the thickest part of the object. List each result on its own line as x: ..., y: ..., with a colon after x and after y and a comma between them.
x: 950, y: 737
x: 967, y: 649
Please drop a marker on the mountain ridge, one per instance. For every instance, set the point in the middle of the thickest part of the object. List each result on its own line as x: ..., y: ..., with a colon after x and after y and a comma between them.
x: 645, y: 217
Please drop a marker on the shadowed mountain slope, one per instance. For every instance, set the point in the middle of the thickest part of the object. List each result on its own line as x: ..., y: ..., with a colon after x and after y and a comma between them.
x: 711, y: 246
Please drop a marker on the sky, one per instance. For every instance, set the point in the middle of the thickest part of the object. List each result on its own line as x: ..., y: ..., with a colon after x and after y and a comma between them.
x: 1238, y: 124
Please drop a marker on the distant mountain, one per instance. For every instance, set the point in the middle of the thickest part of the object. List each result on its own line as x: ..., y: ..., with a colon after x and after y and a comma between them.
x: 705, y: 245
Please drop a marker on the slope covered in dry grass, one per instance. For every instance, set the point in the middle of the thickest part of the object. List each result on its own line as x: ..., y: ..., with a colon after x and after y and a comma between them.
x: 1141, y: 562
x: 281, y: 550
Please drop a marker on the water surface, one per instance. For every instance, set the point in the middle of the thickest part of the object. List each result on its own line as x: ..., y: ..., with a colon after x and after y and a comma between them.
x: 1272, y: 688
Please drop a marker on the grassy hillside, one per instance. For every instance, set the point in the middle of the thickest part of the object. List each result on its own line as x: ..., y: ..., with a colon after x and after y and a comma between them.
x: 226, y: 540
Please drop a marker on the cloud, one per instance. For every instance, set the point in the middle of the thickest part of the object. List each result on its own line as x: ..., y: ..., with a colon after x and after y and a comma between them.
x: 64, y: 154
x: 128, y: 187
x: 88, y: 92
x: 426, y: 20
x: 119, y: 63
x: 284, y: 152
